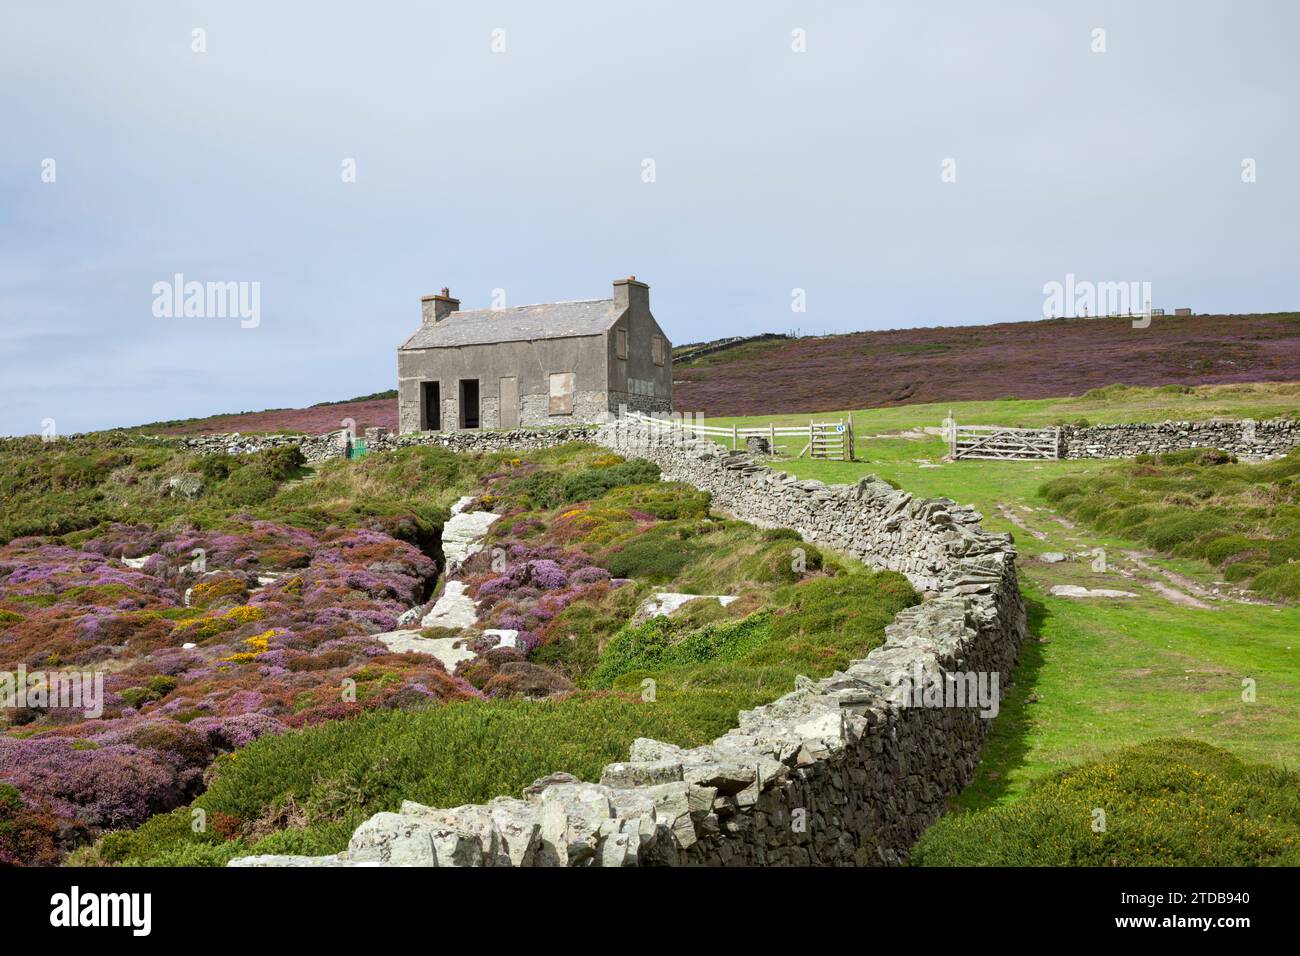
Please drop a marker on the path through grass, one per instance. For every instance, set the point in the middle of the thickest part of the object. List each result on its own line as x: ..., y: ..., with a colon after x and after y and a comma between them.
x: 1099, y: 674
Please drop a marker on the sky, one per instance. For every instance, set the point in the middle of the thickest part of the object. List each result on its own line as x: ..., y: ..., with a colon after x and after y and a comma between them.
x: 901, y: 163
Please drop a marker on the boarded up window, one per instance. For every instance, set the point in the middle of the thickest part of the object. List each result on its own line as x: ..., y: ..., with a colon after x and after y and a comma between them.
x: 508, y: 402
x: 657, y: 349
x: 561, y: 393
x: 620, y: 343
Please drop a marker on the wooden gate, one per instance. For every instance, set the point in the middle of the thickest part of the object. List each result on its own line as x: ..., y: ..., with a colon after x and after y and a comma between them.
x: 823, y: 439
x: 1009, y: 444
x: 832, y: 440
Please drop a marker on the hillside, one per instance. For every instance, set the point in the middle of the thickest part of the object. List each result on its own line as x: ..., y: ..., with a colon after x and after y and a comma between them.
x: 971, y: 363
x: 1050, y: 358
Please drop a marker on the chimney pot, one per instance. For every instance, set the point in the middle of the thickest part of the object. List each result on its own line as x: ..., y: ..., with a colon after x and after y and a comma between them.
x: 629, y: 292
x: 435, y: 308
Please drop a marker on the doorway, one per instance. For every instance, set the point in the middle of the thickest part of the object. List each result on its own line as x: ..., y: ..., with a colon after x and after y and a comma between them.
x: 430, y: 407
x: 469, y: 403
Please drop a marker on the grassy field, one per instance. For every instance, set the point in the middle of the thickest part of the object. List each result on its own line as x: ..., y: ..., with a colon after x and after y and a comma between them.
x: 1100, y: 406
x: 1099, y: 674
x: 1242, y: 518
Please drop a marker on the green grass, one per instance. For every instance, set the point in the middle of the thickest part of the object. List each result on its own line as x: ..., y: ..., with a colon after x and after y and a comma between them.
x: 307, y: 791
x: 329, y: 778
x: 1164, y: 803
x: 1100, y: 406
x: 1111, y: 673
x: 75, y: 488
x: 1199, y: 505
x: 1093, y: 677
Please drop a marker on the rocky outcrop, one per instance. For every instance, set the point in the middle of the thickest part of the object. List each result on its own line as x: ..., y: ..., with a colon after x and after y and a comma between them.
x: 845, y: 770
x: 463, y: 533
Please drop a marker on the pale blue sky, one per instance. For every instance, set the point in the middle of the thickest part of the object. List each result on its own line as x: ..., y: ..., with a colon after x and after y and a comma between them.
x: 522, y: 170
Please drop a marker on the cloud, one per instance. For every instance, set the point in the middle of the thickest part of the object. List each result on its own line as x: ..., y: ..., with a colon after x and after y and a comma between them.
x: 521, y: 170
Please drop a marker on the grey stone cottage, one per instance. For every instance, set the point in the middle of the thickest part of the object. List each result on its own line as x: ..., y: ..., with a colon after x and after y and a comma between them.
x: 552, y: 364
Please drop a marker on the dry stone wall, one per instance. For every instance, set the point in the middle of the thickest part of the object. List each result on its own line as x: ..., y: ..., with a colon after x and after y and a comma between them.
x: 318, y: 448
x: 841, y: 771
x: 1245, y: 439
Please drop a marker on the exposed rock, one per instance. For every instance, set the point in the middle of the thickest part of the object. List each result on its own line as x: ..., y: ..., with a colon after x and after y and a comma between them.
x: 185, y: 486
x: 450, y: 650
x: 337, y: 859
x: 454, y: 608
x: 1075, y: 591
x: 666, y: 603
x: 463, y: 533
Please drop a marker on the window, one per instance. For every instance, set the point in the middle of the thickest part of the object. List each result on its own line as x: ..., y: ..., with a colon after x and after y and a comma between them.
x: 620, y: 343
x: 561, y: 393
x: 657, y: 349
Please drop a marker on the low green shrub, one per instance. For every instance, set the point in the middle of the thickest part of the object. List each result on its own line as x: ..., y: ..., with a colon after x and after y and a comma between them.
x: 1242, y: 571
x: 1166, y: 803
x: 547, y: 490
x: 1197, y: 502
x: 657, y: 556
x: 1280, y: 581
x: 1179, y: 526
x: 662, y: 642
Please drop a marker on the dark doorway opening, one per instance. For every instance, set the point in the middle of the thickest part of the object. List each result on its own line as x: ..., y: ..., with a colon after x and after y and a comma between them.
x: 430, y: 407
x: 469, y: 403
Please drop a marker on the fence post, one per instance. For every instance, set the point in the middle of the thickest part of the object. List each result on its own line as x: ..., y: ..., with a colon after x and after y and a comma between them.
x: 771, y: 439
x: 733, y: 437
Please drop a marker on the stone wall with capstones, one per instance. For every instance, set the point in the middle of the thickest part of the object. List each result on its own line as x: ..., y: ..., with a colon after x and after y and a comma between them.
x: 1245, y: 439
x: 840, y: 771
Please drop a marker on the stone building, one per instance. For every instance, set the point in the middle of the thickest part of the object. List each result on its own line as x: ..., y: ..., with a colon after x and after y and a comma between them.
x: 550, y: 364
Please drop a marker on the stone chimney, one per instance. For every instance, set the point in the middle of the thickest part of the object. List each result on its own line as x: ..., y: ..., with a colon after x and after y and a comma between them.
x: 630, y: 292
x: 435, y: 308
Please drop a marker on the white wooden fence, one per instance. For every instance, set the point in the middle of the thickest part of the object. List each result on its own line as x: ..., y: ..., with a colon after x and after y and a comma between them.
x: 833, y: 440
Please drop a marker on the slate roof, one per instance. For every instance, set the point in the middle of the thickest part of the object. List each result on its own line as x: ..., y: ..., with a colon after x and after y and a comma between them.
x: 554, y: 320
